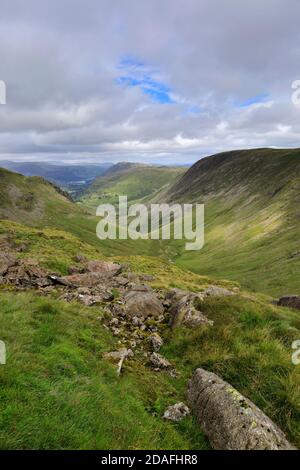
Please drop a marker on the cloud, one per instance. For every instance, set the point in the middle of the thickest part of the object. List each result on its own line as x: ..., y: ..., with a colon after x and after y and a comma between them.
x: 101, y: 80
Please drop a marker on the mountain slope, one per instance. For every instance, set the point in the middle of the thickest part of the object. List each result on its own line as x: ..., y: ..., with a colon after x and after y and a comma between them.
x: 252, y: 217
x: 137, y: 181
x: 37, y: 203
x: 70, y: 176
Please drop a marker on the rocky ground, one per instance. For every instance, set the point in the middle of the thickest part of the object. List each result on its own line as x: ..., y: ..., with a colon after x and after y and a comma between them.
x: 137, y: 315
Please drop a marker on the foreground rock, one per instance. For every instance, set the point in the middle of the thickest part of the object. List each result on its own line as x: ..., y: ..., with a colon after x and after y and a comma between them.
x: 182, y: 310
x: 231, y: 421
x: 176, y: 412
x: 292, y: 301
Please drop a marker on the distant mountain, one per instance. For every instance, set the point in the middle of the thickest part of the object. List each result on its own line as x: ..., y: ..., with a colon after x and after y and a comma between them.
x: 135, y: 180
x: 252, y: 213
x: 71, y: 177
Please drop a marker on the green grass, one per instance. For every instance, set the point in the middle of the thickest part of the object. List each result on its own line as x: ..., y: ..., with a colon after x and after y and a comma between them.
x: 250, y: 347
x: 132, y: 180
x: 252, y: 222
x: 57, y: 391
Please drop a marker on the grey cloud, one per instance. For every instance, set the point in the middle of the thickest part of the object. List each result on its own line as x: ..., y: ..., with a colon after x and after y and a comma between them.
x: 60, y: 63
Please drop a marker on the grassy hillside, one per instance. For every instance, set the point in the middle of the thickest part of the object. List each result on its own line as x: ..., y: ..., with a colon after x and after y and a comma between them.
x: 57, y: 391
x: 34, y: 202
x: 137, y: 181
x: 252, y: 224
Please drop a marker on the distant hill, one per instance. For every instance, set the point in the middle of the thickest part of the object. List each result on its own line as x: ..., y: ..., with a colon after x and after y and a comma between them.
x: 135, y: 180
x: 252, y: 211
x: 74, y: 178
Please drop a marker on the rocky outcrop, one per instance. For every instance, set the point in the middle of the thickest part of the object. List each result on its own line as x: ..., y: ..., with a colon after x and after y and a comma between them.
x: 183, y: 311
x: 176, y: 412
x: 231, y: 421
x: 291, y: 301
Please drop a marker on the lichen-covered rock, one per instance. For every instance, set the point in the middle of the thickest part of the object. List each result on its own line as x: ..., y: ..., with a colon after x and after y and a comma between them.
x: 292, y: 301
x: 176, y: 412
x: 182, y: 310
x: 231, y: 421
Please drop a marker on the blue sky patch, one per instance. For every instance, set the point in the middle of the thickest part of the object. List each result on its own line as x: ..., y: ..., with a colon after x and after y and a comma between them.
x: 253, y: 100
x: 137, y: 74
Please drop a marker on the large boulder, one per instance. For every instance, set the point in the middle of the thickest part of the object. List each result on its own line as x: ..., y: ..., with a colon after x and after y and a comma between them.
x: 292, y: 301
x: 183, y: 311
x: 142, y: 303
x: 231, y: 421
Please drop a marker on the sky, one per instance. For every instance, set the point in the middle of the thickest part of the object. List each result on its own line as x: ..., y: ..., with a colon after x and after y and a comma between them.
x: 157, y: 81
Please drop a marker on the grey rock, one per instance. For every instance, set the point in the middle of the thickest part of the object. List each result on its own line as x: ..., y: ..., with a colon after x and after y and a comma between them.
x: 159, y: 362
x: 156, y: 342
x: 291, y: 301
x: 142, y: 304
x: 105, y: 268
x: 231, y: 421
x: 182, y: 310
x: 216, y: 291
x: 176, y: 412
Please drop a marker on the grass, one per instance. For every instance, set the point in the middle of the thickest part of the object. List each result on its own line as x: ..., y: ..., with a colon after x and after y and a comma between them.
x: 132, y: 180
x: 250, y: 347
x: 252, y: 220
x: 57, y: 391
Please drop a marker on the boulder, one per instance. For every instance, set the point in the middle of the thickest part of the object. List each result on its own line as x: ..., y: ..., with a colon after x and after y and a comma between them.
x: 105, y: 268
x: 291, y: 301
x: 142, y: 304
x: 182, y: 310
x: 231, y: 421
x: 216, y: 291
x: 176, y: 412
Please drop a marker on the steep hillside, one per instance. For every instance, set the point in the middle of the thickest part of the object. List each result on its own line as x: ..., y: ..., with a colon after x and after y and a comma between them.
x: 37, y: 203
x: 137, y: 181
x: 252, y: 216
x: 60, y: 391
